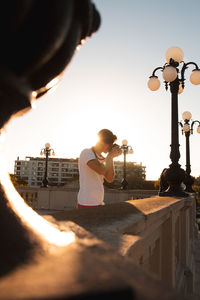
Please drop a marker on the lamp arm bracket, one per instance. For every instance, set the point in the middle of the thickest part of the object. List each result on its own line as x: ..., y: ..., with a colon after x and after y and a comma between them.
x: 185, y: 66
x: 196, y: 121
x: 156, y: 69
x: 180, y: 123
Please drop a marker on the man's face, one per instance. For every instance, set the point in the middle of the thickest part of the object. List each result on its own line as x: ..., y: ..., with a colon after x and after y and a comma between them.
x: 106, y: 147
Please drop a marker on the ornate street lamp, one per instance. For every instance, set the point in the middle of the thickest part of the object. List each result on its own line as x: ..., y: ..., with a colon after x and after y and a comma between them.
x: 188, y: 130
x: 174, y: 175
x: 126, y: 149
x: 47, y: 151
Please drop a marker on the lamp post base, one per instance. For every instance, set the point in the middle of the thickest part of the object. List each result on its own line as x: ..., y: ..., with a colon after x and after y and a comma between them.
x: 45, y: 183
x: 124, y: 184
x: 190, y: 190
x: 189, y: 181
x: 171, y: 182
x: 173, y: 192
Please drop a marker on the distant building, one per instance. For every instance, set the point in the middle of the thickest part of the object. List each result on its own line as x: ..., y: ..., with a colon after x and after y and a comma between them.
x: 32, y: 170
x: 60, y: 170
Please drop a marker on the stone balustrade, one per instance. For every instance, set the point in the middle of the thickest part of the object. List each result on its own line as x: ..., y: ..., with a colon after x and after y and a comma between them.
x: 30, y: 196
x: 157, y: 233
x: 66, y: 198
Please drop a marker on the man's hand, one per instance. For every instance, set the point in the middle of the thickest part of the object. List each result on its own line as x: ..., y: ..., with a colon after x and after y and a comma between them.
x: 115, y: 151
x: 107, y: 169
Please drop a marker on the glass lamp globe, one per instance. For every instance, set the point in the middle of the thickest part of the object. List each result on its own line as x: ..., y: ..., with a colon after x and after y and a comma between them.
x: 124, y: 142
x: 198, y: 129
x: 180, y: 89
x: 186, y: 128
x: 47, y: 145
x: 169, y: 73
x: 186, y: 115
x: 130, y: 151
x: 153, y: 83
x: 195, y: 77
x: 175, y: 53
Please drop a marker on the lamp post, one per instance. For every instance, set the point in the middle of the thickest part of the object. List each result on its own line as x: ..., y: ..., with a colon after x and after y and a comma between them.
x: 188, y: 130
x: 174, y: 175
x: 126, y: 149
x: 47, y: 151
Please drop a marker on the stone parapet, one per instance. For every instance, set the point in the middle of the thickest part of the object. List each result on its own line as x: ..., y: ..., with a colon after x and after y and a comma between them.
x: 64, y: 198
x: 137, y: 249
x: 157, y: 234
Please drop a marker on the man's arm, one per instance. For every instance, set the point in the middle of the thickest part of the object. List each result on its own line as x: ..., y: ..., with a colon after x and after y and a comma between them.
x: 106, y: 170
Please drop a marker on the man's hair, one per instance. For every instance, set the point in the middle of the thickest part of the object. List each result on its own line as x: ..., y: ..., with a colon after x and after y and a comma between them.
x: 107, y: 136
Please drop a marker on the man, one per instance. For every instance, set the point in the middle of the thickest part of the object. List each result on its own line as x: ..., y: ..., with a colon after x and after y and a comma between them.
x: 94, y: 168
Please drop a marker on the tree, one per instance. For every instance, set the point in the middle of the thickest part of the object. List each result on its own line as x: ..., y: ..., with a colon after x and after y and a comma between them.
x: 17, y: 181
x: 150, y: 185
x: 135, y: 175
x: 196, y: 188
x: 157, y: 184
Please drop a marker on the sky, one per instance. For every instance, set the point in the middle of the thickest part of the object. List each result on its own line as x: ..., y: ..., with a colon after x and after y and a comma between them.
x: 105, y: 86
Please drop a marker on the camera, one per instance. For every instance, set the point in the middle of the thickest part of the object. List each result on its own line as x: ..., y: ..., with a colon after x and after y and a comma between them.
x: 115, y: 145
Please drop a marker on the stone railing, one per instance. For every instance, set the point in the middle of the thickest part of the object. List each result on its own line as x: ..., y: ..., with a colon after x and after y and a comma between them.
x: 29, y: 195
x: 66, y: 198
x: 157, y: 233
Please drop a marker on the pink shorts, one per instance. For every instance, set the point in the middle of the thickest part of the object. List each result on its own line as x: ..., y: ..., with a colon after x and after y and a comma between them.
x: 84, y: 206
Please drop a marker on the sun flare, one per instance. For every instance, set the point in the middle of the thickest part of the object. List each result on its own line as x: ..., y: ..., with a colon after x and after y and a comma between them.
x: 41, y: 226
